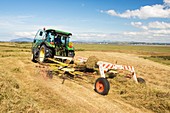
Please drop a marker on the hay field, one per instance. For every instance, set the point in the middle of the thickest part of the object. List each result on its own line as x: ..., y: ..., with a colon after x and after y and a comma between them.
x: 156, y: 53
x: 26, y: 88
x: 132, y: 49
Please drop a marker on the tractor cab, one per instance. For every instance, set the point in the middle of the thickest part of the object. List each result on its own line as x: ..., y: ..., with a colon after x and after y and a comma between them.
x: 60, y: 41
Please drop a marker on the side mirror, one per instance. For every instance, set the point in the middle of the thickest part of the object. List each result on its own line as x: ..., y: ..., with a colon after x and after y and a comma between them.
x: 41, y: 33
x: 34, y: 40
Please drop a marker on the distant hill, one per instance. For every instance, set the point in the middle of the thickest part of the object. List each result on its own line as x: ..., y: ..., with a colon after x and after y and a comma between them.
x: 22, y: 40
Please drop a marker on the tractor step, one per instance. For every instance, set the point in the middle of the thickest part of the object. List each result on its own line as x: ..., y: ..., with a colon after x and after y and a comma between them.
x: 64, y: 58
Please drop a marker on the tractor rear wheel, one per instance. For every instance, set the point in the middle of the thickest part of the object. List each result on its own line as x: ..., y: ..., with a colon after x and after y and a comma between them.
x: 102, y: 86
x: 42, y: 54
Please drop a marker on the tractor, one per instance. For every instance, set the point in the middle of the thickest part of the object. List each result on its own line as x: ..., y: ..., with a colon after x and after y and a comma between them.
x: 50, y: 43
x: 55, y: 47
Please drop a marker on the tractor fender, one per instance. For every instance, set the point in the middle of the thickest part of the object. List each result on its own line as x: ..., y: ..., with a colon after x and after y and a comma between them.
x: 43, y: 43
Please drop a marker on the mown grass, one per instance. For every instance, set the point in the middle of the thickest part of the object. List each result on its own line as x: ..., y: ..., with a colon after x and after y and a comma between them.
x: 14, y: 97
x: 27, y: 97
x: 141, y: 95
x: 15, y: 45
x: 14, y: 49
x: 19, y: 91
x: 138, y: 95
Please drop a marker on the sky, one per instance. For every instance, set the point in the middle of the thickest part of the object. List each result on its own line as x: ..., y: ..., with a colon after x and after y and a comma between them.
x: 88, y: 20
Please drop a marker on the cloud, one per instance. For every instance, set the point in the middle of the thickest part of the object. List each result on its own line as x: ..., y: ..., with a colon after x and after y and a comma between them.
x: 25, y: 34
x: 145, y: 12
x: 31, y: 31
x: 152, y: 32
x: 151, y: 25
x: 96, y: 37
x: 167, y: 2
x: 149, y: 35
x: 110, y: 12
x: 159, y: 25
x: 161, y: 32
x: 139, y: 25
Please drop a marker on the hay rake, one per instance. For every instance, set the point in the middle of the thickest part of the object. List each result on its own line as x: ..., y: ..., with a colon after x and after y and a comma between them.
x: 78, y: 66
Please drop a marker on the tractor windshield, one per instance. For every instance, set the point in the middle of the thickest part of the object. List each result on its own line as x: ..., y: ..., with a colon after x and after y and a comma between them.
x: 65, y: 40
x: 50, y: 37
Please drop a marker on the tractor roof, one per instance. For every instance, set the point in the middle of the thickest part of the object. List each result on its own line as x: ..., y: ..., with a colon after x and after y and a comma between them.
x: 59, y: 32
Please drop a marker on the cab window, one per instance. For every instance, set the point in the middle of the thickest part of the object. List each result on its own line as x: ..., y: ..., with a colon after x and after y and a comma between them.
x: 40, y: 35
x: 63, y: 39
x: 50, y: 37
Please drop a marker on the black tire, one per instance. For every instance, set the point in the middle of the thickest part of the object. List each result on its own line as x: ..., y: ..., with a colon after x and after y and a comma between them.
x: 42, y: 54
x: 51, y: 53
x: 33, y: 57
x: 141, y: 80
x: 102, y: 86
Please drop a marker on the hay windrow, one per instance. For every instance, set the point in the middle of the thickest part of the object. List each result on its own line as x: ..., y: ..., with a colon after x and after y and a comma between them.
x: 91, y: 62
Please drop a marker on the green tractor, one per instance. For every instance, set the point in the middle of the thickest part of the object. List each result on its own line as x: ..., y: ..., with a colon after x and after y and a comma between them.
x: 50, y: 43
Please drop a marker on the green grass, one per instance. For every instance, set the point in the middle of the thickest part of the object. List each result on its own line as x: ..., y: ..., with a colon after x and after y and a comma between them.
x: 160, y: 59
x: 159, y: 54
x: 143, y: 50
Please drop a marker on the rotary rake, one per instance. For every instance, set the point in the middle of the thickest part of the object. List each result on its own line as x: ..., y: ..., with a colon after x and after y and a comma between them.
x: 78, y: 66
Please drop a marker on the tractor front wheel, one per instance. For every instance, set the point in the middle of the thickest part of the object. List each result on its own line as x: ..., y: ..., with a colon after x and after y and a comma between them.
x: 33, y: 57
x: 102, y: 86
x: 42, y: 54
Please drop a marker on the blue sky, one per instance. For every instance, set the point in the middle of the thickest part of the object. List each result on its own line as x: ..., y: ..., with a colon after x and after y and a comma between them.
x: 101, y: 20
